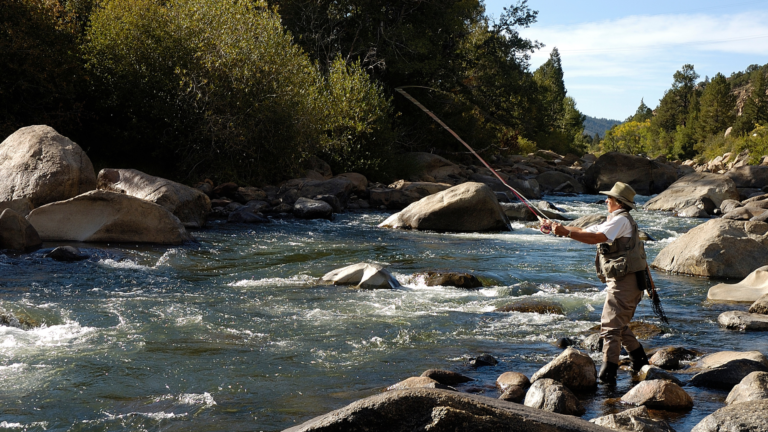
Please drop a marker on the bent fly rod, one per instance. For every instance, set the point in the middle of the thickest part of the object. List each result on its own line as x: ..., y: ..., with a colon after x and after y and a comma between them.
x: 538, y: 213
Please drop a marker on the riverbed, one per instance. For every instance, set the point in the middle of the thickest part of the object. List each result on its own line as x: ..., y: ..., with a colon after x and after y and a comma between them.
x: 234, y: 332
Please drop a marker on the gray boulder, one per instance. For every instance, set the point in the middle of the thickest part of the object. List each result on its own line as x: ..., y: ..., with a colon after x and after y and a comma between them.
x: 727, y: 375
x: 693, y: 212
x: 647, y: 177
x: 401, y: 194
x: 692, y: 189
x: 753, y: 387
x: 743, y: 321
x: 720, y: 358
x: 633, y: 420
x: 749, y: 176
x: 21, y: 206
x: 66, y: 254
x: 549, y: 395
x: 514, y: 394
x: 730, y: 204
x: 38, y: 163
x: 659, y: 394
x: 468, y: 207
x: 246, y: 214
x: 101, y: 216
x: 670, y: 357
x: 188, y: 204
x: 340, y: 187
x: 717, y: 248
x: 418, y: 382
x: 573, y: 368
x: 305, y: 208
x: 510, y: 379
x: 16, y: 233
x: 760, y: 306
x: 552, y: 180
x: 441, y: 410
x: 740, y: 417
x: 363, y: 275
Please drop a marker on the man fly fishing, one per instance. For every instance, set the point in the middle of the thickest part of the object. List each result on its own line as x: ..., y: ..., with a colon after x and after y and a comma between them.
x: 621, y: 262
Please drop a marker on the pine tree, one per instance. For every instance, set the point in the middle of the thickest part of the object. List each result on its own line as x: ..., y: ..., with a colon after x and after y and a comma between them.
x: 755, y: 110
x: 717, y: 108
x: 674, y: 107
x: 643, y: 113
x: 549, y: 77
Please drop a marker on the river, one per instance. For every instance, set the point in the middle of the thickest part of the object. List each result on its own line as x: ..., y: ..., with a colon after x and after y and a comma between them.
x: 234, y: 333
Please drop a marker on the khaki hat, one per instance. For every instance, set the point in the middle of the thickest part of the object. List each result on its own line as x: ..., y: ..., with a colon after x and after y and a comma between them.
x: 622, y: 192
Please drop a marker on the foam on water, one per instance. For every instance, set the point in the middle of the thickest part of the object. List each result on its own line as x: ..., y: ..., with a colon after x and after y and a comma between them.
x: 44, y: 337
x: 125, y: 264
x: 297, y: 280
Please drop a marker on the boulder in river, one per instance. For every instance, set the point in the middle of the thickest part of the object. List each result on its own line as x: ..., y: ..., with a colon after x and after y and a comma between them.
x: 21, y: 206
x: 646, y: 176
x: 340, y: 187
x: 188, y: 204
x: 16, y: 233
x: 468, y: 207
x: 509, y: 379
x: 717, y: 248
x: 692, y: 189
x: 418, y: 382
x: 401, y: 194
x: 445, y: 377
x: 693, y: 211
x: 741, y: 417
x: 305, y: 208
x: 66, y: 254
x: 727, y: 375
x: 730, y: 204
x: 749, y: 176
x: 659, y: 394
x: 753, y: 387
x: 760, y: 306
x: 650, y: 373
x: 514, y: 394
x: 432, y: 165
x: 38, y: 163
x: 751, y: 288
x: 532, y: 306
x: 454, y: 279
x: 720, y: 358
x: 573, y: 368
x: 670, y: 357
x: 441, y: 410
x: 550, y: 395
x: 551, y: 180
x: 743, y: 321
x: 363, y: 275
x: 633, y: 420
x: 101, y: 216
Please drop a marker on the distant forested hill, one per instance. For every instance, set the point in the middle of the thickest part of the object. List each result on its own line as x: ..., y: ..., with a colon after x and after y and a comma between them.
x: 598, y: 125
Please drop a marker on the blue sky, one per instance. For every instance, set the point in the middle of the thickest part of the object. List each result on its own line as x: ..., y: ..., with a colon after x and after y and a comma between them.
x: 615, y: 53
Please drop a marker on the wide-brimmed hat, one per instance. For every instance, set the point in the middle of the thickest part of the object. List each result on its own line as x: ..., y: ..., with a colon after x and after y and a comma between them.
x: 622, y: 192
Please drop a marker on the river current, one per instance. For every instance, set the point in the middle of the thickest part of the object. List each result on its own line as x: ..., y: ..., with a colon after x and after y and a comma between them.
x: 233, y: 332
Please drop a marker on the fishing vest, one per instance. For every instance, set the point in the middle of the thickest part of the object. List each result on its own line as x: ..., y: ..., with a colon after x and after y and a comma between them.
x: 623, y: 256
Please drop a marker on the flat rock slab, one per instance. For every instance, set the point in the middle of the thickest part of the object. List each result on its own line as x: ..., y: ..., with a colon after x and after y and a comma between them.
x: 691, y: 189
x: 750, y: 289
x: 744, y: 321
x: 718, y: 359
x: 742, y: 417
x: 363, y: 275
x: 441, y: 410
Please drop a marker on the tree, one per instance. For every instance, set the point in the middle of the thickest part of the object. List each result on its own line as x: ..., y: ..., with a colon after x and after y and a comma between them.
x: 629, y: 137
x: 755, y: 109
x: 674, y: 107
x: 717, y: 108
x: 642, y: 113
x: 549, y: 77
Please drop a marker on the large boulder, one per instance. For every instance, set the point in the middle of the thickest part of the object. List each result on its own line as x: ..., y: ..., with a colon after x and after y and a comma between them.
x: 717, y: 248
x: 306, y: 208
x: 552, y: 180
x: 21, y: 206
x: 101, y: 216
x: 441, y: 410
x: 468, y: 207
x: 670, y: 357
x: 659, y: 394
x: 743, y: 321
x: 401, y: 194
x: 38, y: 163
x: 363, y: 275
x: 749, y: 176
x: 633, y: 420
x: 550, y: 395
x: 646, y: 176
x: 573, y: 368
x: 727, y: 375
x: 359, y: 183
x: 432, y: 165
x: 760, y: 306
x: 753, y: 387
x: 340, y: 187
x: 692, y: 190
x: 715, y: 360
x: 188, y: 204
x: 741, y: 417
x: 749, y: 289
x: 454, y: 279
x: 16, y: 233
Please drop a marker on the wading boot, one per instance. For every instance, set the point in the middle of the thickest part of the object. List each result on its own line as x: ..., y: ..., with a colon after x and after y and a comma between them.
x: 639, y: 359
x: 608, y: 372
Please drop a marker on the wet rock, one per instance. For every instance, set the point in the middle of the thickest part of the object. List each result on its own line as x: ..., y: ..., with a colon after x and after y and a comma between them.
x: 659, y: 394
x: 650, y: 373
x: 749, y: 289
x: 691, y: 189
x: 401, y: 194
x: 363, y: 275
x: 38, y: 163
x: 246, y: 215
x: 760, y: 306
x: 18, y: 320
x: 593, y: 343
x: 717, y: 248
x: 741, y: 417
x: 101, y: 216
x: 514, y: 394
x: 306, y: 208
x: 692, y: 212
x: 720, y: 358
x: 454, y: 279
x: 642, y: 330
x: 332, y: 201
x: 418, y: 382
x: 646, y: 177
x: 753, y: 387
x: 633, y: 420
x: 743, y: 321
x: 573, y: 368
x: 16, y: 233
x: 564, y: 342
x: 670, y: 357
x: 441, y: 410
x: 727, y: 375
x: 468, y: 207
x: 512, y: 379
x: 21, y: 206
x: 66, y: 254
x: 483, y: 360
x: 188, y: 204
x: 550, y: 395
x: 532, y: 306
x: 446, y: 377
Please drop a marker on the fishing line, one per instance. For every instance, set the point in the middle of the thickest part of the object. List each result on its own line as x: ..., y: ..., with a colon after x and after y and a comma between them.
x: 540, y: 215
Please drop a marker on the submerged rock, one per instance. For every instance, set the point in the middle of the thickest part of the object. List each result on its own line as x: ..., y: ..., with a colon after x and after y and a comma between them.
x: 306, y: 208
x: 66, y: 254
x: 483, y: 360
x: 633, y: 420
x: 573, y: 368
x: 532, y: 306
x: 741, y: 417
x: 753, y: 387
x: 659, y: 394
x: 446, y: 377
x: 363, y: 275
x: 454, y: 279
x: 550, y: 395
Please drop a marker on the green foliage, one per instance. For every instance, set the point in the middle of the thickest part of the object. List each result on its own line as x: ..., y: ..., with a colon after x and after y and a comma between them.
x: 549, y: 77
x: 755, y: 110
x: 642, y: 114
x: 716, y: 112
x: 674, y: 107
